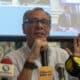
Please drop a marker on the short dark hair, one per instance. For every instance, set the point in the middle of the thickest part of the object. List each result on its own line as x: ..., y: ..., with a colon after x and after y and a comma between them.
x: 27, y: 13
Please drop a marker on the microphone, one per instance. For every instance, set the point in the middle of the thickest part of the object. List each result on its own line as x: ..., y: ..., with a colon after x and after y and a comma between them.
x: 60, y: 69
x: 45, y: 71
x: 6, y: 69
x: 44, y: 58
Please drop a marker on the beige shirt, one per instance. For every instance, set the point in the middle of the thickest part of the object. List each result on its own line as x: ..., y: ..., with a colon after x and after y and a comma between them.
x: 55, y: 56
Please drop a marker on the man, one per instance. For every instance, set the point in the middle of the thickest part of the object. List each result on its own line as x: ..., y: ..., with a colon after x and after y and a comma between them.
x: 27, y: 60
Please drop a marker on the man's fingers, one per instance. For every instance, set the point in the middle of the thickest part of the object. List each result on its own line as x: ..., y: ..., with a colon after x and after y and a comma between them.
x: 79, y: 41
x: 75, y: 42
x: 69, y: 51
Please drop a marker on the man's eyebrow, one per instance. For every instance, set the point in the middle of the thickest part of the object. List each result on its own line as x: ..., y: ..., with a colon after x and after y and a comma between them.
x: 34, y: 18
x: 38, y: 18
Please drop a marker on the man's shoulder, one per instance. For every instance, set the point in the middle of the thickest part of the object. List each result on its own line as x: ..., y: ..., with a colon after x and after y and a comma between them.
x: 58, y: 55
x: 15, y: 53
x: 15, y: 56
x: 59, y: 51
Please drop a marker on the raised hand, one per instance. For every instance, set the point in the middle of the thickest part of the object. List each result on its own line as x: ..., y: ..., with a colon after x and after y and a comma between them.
x: 77, y: 46
x: 39, y: 45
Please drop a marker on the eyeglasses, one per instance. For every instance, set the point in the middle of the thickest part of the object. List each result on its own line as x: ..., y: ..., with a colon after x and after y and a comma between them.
x: 34, y: 21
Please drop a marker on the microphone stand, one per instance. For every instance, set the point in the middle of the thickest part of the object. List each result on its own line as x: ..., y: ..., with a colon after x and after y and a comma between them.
x: 61, y: 74
x: 60, y: 70
x: 46, y: 72
x: 79, y: 76
x: 4, y: 78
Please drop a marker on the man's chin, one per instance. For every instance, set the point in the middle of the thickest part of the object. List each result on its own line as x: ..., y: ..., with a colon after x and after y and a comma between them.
x: 37, y: 37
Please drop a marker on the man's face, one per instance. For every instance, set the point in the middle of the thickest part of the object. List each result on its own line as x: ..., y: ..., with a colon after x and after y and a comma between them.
x: 38, y: 25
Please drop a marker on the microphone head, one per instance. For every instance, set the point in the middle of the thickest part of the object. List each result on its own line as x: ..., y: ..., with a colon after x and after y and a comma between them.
x: 6, y: 69
x: 6, y: 61
x: 60, y: 69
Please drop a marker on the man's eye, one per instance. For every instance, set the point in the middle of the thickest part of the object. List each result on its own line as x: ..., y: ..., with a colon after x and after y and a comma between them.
x: 32, y: 21
x: 45, y: 21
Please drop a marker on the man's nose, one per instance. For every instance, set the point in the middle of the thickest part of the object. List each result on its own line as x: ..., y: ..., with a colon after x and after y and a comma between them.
x: 40, y: 25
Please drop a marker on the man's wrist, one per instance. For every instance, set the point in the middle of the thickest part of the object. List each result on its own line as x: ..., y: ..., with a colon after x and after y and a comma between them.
x: 31, y: 58
x: 30, y: 65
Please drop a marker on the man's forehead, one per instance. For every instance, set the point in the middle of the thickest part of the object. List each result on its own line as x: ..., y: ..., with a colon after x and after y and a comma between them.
x: 38, y: 13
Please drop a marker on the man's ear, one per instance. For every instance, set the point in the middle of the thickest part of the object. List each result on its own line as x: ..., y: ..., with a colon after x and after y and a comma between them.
x: 24, y: 28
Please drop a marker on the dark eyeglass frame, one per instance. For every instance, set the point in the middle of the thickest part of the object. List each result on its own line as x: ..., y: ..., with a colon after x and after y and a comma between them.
x: 33, y: 21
